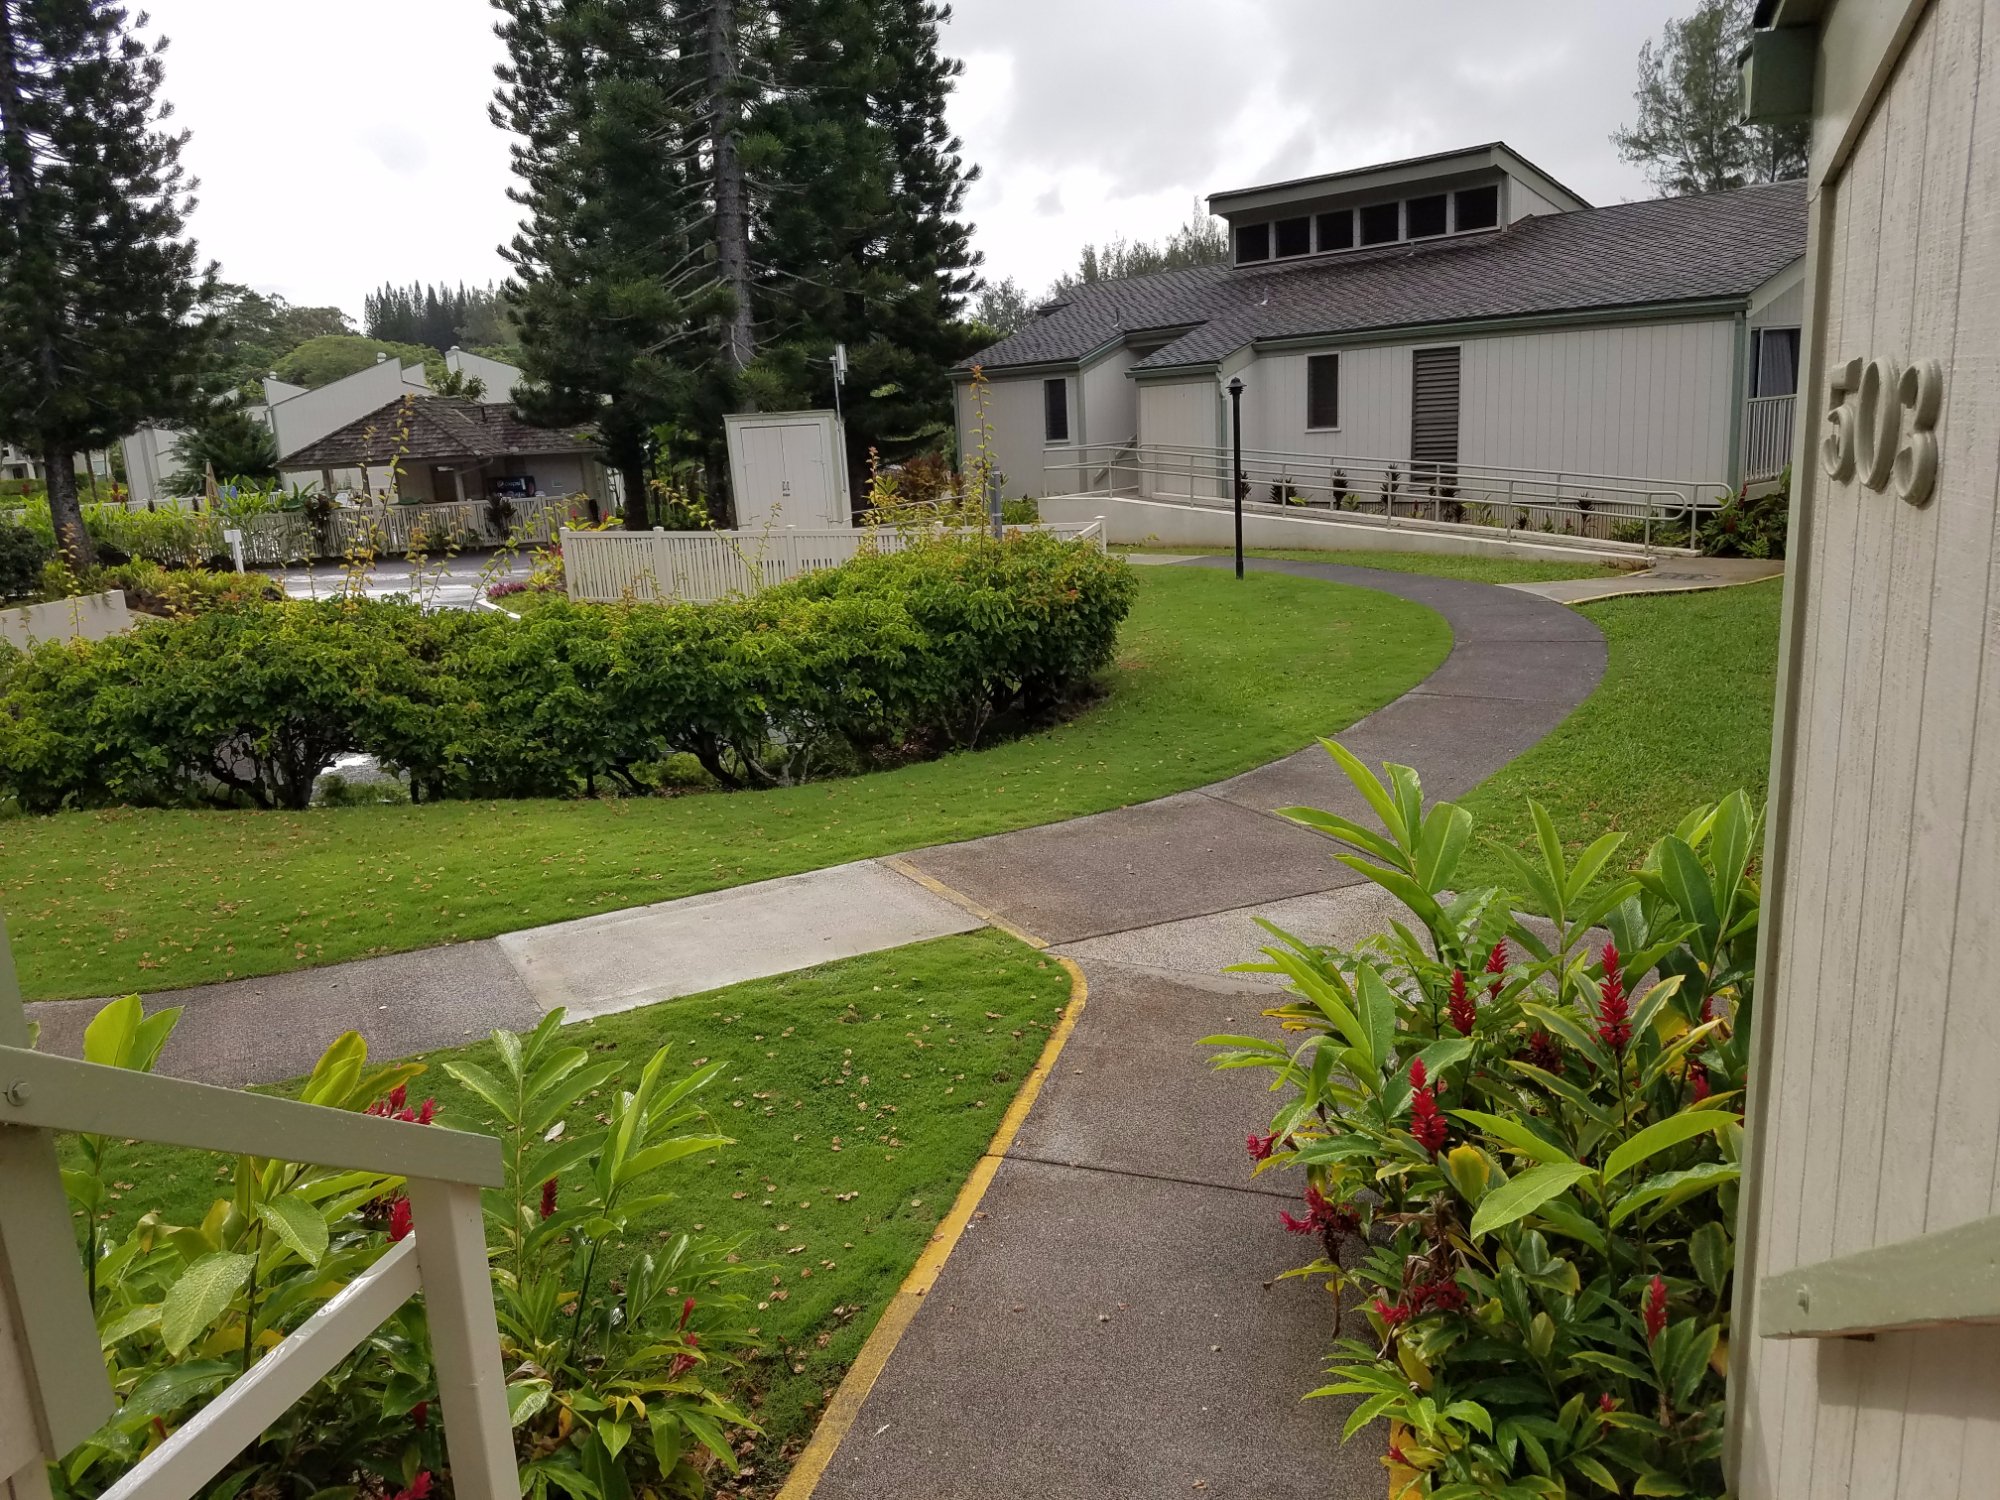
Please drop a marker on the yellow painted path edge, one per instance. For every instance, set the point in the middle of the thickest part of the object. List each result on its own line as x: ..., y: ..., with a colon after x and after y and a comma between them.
x: 959, y: 899
x: 868, y: 1365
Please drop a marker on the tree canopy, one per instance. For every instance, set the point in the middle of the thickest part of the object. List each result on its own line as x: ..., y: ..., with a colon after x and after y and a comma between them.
x: 258, y: 330
x: 441, y: 317
x: 332, y: 356
x: 101, y: 293
x: 1689, y: 134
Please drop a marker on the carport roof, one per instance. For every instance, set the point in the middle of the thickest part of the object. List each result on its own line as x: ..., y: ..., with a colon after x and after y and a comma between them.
x: 438, y: 427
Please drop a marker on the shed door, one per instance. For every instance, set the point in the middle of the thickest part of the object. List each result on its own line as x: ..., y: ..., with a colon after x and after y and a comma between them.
x: 786, y: 475
x: 806, y: 471
x: 1434, y: 411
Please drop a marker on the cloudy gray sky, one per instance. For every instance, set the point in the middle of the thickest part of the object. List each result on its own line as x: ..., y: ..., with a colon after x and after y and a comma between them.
x: 344, y: 143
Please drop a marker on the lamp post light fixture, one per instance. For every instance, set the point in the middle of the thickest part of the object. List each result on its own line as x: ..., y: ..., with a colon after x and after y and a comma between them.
x: 1236, y: 461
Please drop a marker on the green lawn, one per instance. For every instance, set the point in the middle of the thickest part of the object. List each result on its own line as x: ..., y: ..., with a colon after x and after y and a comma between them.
x: 1682, y: 718
x: 1213, y: 677
x: 1478, y: 569
x: 860, y: 1095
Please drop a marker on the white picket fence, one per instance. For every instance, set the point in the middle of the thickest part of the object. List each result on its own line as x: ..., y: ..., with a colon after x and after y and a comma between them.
x: 603, y: 567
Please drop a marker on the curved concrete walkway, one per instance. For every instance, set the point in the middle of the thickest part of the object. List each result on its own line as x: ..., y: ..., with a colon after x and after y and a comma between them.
x: 1109, y: 1326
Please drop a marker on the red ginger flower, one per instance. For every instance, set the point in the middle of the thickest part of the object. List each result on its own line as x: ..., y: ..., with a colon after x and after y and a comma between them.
x: 1392, y: 1315
x: 1614, y: 1012
x: 420, y: 1415
x: 1545, y: 1052
x: 400, y: 1222
x: 1426, y: 1124
x: 1260, y: 1146
x: 1698, y: 1084
x: 687, y: 1311
x: 1655, y: 1308
x: 398, y: 1097
x: 419, y: 1489
x: 1461, y: 1008
x: 1321, y: 1216
x: 1496, y: 965
x: 549, y: 1199
x: 428, y: 1113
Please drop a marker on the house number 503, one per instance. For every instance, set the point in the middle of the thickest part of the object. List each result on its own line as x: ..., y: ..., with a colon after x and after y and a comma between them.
x: 1880, y: 425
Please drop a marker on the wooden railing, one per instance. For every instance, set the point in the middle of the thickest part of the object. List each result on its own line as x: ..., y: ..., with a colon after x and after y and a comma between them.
x: 53, y: 1389
x: 699, y: 566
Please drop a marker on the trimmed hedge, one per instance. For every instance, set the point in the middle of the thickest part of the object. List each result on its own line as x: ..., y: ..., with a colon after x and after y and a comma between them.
x: 882, y: 660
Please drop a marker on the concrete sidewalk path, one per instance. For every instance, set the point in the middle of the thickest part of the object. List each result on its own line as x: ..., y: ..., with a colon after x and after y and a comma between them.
x: 1676, y: 575
x: 1110, y: 1325
x: 264, y: 1030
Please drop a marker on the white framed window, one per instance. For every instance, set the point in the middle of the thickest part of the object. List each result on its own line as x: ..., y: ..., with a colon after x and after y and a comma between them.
x: 1055, y: 410
x: 1322, y: 392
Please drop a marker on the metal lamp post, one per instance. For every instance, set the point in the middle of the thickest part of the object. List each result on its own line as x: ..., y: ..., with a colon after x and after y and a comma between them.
x: 1236, y: 461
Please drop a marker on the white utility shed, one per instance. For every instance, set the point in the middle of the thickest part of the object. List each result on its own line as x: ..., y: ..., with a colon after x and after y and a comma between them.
x: 788, y: 468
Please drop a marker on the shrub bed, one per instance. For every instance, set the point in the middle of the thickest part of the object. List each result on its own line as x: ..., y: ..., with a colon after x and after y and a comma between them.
x: 1528, y: 1140
x: 886, y: 659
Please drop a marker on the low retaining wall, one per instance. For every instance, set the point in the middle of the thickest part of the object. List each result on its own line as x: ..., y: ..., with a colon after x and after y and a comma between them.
x: 1169, y: 523
x: 90, y: 617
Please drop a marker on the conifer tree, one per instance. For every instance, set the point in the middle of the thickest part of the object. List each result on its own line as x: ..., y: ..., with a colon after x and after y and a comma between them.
x: 860, y: 240
x: 100, y: 292
x: 615, y: 289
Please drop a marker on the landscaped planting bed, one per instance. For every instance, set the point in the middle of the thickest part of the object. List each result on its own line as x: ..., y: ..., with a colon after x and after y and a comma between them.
x: 1212, y: 677
x: 887, y: 659
x: 1526, y: 1140
x: 855, y: 1098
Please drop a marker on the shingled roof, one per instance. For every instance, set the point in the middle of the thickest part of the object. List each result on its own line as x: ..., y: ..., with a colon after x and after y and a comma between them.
x: 1667, y: 250
x: 438, y: 427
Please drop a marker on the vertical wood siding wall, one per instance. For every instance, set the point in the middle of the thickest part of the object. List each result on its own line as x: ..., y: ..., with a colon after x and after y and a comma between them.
x: 1110, y: 400
x: 1882, y: 1116
x: 1785, y: 310
x: 1650, y: 400
x: 1014, y: 415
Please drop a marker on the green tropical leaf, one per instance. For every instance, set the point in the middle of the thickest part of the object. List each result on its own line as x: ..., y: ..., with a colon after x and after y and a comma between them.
x: 1517, y: 1135
x: 1521, y: 1196
x: 1660, y: 1135
x: 298, y: 1223
x: 197, y: 1299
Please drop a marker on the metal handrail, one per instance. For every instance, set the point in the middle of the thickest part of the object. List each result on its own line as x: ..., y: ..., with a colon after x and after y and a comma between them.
x: 1441, y: 493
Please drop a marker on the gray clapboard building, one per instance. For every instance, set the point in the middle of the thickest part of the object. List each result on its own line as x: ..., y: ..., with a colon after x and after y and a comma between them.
x: 1463, y: 310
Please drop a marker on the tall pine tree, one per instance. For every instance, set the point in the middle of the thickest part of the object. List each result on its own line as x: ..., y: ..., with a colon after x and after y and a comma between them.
x: 860, y: 241
x: 614, y: 282
x: 99, y: 290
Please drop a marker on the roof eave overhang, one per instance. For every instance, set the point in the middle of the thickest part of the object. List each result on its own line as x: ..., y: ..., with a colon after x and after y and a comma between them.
x: 1108, y: 347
